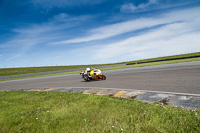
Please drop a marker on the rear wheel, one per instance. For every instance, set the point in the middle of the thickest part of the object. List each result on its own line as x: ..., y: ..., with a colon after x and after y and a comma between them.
x: 86, y: 78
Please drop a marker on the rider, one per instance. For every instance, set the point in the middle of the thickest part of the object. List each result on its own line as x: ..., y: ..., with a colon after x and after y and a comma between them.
x: 88, y: 70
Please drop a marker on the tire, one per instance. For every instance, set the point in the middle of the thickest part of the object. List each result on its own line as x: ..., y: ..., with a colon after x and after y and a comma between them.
x: 86, y: 78
x: 103, y: 77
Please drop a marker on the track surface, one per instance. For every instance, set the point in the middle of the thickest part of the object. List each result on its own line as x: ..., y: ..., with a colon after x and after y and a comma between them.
x: 180, y: 77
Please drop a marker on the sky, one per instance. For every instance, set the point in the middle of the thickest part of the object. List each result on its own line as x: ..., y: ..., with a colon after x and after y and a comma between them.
x: 79, y: 32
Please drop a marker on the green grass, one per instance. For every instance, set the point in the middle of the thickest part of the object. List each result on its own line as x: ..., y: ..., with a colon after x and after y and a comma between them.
x: 76, y: 112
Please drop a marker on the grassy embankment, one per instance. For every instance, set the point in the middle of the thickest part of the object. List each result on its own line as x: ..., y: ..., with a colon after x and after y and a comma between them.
x: 153, y: 61
x: 191, y: 55
x: 75, y: 112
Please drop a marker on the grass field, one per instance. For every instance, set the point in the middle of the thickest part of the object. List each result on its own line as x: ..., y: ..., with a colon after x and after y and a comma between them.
x: 76, y: 112
x: 17, y: 71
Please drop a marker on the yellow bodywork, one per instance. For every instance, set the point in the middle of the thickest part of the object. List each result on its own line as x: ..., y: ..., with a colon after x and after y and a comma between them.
x: 96, y: 72
x: 92, y: 73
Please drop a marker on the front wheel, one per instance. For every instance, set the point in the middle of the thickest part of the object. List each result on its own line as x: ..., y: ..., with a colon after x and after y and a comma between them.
x: 86, y: 78
x: 103, y: 77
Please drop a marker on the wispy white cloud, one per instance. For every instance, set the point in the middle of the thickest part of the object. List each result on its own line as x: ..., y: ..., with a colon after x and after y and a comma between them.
x: 40, y: 34
x: 127, y: 8
x: 13, y: 57
x: 146, y: 5
x: 133, y: 25
x: 171, y: 39
x: 56, y: 23
x: 116, y: 29
x: 183, y: 35
x: 153, y: 5
x: 130, y: 8
x: 29, y: 45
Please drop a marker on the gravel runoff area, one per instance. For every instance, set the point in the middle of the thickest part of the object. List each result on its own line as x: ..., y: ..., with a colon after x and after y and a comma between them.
x: 52, y: 72
x: 181, y: 100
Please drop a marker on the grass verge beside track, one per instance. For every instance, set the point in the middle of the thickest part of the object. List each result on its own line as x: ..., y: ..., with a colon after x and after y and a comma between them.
x: 76, y: 112
x: 118, y: 67
x: 73, y: 72
x: 17, y: 71
x: 153, y: 63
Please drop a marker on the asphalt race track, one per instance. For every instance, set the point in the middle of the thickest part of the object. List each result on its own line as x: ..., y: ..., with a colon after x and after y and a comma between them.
x: 180, y: 78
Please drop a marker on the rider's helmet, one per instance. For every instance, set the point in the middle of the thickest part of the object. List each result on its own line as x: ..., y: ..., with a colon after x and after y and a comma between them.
x: 87, y: 69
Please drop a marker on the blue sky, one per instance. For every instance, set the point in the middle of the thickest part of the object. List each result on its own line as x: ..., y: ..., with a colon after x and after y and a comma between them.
x: 71, y: 32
